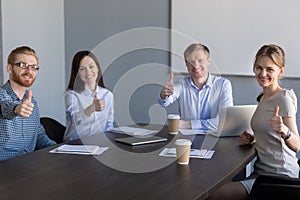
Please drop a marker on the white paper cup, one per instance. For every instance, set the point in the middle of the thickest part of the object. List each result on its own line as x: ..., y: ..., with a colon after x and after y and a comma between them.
x: 173, y: 123
x: 183, y: 147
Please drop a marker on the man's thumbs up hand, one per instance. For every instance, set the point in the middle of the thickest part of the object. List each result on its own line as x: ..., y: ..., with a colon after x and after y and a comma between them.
x: 171, y: 77
x: 29, y: 95
x: 168, y: 88
x: 26, y: 107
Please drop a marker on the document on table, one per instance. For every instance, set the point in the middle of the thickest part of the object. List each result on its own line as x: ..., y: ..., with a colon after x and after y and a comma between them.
x: 194, y: 153
x: 195, y: 132
x: 132, y: 131
x: 79, y: 149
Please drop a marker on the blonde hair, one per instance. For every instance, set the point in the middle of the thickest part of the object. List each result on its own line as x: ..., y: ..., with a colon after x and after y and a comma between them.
x: 195, y: 47
x: 274, y: 52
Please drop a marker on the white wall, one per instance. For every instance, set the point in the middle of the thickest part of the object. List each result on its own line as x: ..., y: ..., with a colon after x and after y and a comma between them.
x: 127, y: 36
x: 40, y: 25
x: 234, y: 30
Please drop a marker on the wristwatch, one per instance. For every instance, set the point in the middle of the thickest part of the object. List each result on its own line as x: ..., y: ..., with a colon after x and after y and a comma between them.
x: 287, y: 135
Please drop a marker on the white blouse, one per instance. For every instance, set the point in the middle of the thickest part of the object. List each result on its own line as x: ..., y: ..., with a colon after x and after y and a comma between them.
x: 78, y: 124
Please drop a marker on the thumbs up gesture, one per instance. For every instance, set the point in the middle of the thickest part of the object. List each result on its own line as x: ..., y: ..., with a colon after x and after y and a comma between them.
x: 168, y: 88
x: 26, y: 107
x: 276, y: 121
x: 99, y: 104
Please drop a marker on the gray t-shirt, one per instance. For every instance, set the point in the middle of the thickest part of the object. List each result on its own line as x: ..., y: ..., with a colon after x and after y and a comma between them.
x: 274, y: 157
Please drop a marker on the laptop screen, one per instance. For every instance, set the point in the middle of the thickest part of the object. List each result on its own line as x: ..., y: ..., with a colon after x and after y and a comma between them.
x: 233, y: 120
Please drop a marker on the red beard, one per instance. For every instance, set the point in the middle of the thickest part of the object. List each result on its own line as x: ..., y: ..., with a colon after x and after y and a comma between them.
x: 21, y: 78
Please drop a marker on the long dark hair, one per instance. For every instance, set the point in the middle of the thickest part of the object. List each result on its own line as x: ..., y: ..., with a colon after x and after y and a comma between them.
x: 75, y: 82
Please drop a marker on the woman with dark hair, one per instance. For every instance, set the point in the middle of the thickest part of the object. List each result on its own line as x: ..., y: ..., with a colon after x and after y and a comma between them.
x: 89, y: 105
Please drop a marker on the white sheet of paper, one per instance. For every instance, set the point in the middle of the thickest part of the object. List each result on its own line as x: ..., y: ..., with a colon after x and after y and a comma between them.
x: 79, y: 149
x: 194, y: 153
x: 132, y: 131
x: 194, y: 132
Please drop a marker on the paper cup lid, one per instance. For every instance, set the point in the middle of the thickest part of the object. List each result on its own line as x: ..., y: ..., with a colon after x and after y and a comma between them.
x: 173, y: 116
x: 183, y: 142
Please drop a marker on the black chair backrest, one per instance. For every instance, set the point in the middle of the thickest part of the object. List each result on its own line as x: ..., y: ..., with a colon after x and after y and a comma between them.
x: 54, y: 129
x: 275, y: 187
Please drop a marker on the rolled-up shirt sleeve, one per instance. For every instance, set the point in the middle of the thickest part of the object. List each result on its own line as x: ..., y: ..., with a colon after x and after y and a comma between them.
x: 201, y: 106
x: 7, y: 106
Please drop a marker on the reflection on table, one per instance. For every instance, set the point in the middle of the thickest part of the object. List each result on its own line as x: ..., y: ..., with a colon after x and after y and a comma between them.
x: 123, y: 171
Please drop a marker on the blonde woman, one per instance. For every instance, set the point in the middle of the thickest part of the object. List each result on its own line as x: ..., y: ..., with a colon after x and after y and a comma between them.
x: 276, y: 137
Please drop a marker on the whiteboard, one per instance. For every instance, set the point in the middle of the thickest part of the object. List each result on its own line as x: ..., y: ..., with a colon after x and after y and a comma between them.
x: 234, y: 30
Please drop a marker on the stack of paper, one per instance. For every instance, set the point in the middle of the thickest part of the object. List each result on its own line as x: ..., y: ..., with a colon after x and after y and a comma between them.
x: 195, y: 132
x: 194, y: 153
x: 79, y: 149
x: 132, y: 131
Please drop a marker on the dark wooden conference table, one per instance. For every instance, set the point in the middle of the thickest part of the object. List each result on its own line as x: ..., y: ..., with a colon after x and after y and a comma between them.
x: 123, y: 171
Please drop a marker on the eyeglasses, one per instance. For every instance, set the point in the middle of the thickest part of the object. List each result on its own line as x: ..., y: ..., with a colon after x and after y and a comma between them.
x: 26, y: 65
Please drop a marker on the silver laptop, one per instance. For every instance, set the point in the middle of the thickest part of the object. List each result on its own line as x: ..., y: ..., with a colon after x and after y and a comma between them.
x: 233, y: 120
x: 140, y: 140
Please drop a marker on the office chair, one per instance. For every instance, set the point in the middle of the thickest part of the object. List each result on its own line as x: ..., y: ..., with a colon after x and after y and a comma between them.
x: 54, y: 129
x: 275, y: 187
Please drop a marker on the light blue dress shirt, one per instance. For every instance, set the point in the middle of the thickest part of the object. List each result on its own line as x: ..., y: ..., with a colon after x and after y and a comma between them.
x: 80, y: 125
x: 201, y: 106
x: 19, y: 135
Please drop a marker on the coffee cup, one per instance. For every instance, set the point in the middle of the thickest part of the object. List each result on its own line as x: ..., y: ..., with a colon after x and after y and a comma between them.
x: 183, y: 147
x: 173, y: 123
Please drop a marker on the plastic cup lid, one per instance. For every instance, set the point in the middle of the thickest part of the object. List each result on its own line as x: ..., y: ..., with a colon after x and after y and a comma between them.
x: 183, y: 142
x: 173, y: 116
